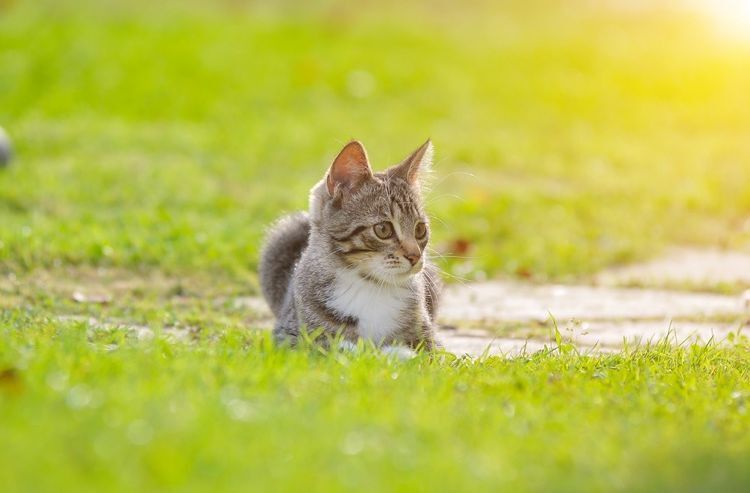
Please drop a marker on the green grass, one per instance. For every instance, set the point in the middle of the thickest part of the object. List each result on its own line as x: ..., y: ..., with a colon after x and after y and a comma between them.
x: 89, y: 409
x: 156, y: 140
x: 167, y: 387
x: 168, y: 136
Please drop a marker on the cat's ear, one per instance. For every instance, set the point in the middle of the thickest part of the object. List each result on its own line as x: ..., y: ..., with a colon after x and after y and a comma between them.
x: 349, y: 170
x: 413, y: 166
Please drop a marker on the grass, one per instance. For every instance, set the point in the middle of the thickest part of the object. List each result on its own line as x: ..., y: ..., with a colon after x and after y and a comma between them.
x: 98, y: 409
x: 165, y: 386
x: 569, y: 138
x: 156, y: 140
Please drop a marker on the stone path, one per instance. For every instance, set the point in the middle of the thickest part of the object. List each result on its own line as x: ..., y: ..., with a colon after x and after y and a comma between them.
x: 684, y: 266
x: 511, y: 317
x: 596, y: 335
x: 507, y: 301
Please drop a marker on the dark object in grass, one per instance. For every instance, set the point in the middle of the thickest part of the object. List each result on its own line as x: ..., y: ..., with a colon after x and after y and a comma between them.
x: 6, y: 149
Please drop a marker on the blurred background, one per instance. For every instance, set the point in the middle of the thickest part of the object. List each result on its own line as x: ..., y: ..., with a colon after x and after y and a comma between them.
x: 570, y: 135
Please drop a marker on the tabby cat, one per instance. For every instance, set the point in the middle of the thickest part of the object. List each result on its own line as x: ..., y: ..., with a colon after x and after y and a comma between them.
x: 356, y: 264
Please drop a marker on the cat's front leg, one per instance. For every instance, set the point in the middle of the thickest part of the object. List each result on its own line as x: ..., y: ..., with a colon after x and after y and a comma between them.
x: 315, y: 315
x: 429, y: 340
x: 421, y: 336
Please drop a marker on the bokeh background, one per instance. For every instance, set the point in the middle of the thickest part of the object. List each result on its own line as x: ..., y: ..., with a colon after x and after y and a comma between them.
x: 156, y: 140
x: 570, y: 135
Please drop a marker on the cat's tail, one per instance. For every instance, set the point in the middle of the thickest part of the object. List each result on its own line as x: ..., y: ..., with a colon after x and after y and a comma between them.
x: 285, y: 242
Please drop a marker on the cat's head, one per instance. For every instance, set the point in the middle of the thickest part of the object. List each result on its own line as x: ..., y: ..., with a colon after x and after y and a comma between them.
x: 374, y: 223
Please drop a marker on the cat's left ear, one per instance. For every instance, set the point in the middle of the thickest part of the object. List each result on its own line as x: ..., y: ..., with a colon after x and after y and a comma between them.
x: 419, y: 162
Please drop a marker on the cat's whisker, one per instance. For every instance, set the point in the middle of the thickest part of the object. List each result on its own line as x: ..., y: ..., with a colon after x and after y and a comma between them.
x: 462, y: 280
x: 441, y: 256
x: 434, y: 198
x: 456, y: 173
x: 436, y: 218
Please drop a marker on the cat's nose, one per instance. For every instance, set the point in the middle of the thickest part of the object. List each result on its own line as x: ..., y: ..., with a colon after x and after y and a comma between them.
x: 413, y: 258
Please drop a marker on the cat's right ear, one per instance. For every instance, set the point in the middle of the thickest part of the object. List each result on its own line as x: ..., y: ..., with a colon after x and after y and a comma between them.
x: 349, y: 170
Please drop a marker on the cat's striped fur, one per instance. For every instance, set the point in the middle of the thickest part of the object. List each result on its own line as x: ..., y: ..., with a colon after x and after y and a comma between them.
x: 355, y: 264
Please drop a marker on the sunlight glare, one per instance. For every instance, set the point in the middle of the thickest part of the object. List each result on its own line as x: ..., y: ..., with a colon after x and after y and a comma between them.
x: 732, y: 17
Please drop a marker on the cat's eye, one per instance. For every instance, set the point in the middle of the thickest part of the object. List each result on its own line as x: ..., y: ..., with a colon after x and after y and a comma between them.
x: 383, y: 230
x: 420, y: 231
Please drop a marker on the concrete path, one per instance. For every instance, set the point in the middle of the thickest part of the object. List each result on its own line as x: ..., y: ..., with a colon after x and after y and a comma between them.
x: 507, y: 301
x: 686, y: 266
x: 512, y: 317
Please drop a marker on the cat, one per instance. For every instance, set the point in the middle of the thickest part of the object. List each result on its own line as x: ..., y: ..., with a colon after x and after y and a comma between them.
x: 356, y: 264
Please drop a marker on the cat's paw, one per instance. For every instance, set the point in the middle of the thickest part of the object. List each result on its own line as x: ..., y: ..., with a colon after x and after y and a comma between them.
x: 398, y: 352
x: 401, y: 353
x: 348, y: 347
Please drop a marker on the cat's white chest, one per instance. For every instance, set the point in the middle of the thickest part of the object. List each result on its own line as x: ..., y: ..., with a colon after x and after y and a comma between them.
x: 378, y: 309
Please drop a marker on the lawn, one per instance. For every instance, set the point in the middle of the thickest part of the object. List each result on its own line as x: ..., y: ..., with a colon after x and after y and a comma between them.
x: 156, y: 140
x: 568, y: 137
x: 89, y: 409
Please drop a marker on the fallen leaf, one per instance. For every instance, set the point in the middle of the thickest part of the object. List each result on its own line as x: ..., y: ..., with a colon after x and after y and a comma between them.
x: 524, y: 273
x: 459, y: 246
x: 10, y: 381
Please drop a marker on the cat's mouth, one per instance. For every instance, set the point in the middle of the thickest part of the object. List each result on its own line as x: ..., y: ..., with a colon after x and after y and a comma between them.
x: 401, y: 269
x: 388, y: 269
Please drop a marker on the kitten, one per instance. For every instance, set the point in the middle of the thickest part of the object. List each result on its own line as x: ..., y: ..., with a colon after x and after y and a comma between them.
x: 356, y: 263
